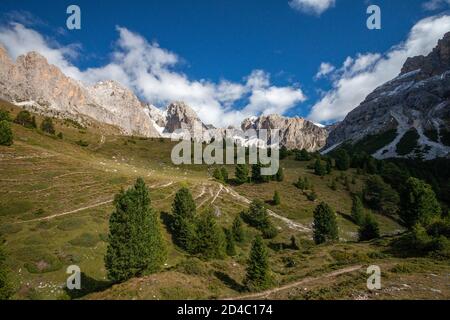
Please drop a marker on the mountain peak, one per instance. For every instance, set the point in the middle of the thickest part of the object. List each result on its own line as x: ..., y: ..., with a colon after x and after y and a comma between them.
x: 435, y: 63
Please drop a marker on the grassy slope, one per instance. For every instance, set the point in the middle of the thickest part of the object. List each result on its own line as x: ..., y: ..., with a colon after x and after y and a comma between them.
x: 42, y: 176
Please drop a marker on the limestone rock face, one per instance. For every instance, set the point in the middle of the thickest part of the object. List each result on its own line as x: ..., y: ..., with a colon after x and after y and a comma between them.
x: 180, y: 116
x: 295, y: 133
x: 419, y: 98
x: 32, y: 82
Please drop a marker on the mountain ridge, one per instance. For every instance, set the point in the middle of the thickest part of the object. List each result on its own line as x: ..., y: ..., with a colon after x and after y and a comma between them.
x: 415, y: 104
x: 31, y: 82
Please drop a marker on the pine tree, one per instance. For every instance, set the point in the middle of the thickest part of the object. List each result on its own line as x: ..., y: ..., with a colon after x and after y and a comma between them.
x: 303, y: 183
x: 135, y: 242
x: 25, y: 119
x: 217, y: 174
x: 257, y: 177
x: 231, y: 248
x: 329, y: 165
x: 284, y: 153
x: 357, y: 210
x: 302, y: 155
x: 47, y: 125
x: 325, y: 226
x: 319, y: 168
x: 280, y: 175
x: 369, y: 228
x: 241, y: 173
x: 6, y: 289
x: 4, y: 115
x: 257, y: 273
x: 184, y: 211
x: 257, y: 215
x: 294, y: 245
x: 224, y: 173
x: 419, y: 203
x: 6, y: 135
x: 276, y: 199
x: 237, y: 229
x: 381, y: 196
x: 210, y: 239
x: 342, y: 160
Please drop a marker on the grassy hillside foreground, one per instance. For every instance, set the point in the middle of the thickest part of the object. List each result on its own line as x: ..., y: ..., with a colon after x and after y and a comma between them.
x: 56, y: 198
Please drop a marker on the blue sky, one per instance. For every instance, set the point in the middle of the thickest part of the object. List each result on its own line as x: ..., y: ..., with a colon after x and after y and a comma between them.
x: 231, y: 58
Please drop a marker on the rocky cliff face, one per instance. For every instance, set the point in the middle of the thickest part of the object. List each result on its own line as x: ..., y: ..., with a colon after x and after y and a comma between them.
x: 418, y: 100
x: 295, y: 133
x: 32, y: 82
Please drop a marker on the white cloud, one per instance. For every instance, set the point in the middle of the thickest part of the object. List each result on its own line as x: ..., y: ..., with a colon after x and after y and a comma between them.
x: 324, y: 70
x: 148, y: 70
x: 316, y: 7
x: 359, y: 76
x: 432, y: 5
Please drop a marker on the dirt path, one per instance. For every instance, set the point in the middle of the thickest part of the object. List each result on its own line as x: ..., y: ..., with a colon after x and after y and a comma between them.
x: 66, y: 213
x: 291, y: 224
x: 266, y: 294
x: 217, y: 194
x: 80, y: 209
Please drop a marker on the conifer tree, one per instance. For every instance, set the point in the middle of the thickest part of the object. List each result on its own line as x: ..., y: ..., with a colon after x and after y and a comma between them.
x: 241, y: 173
x: 6, y: 289
x: 369, y: 228
x: 135, y: 242
x: 237, y: 229
x: 325, y: 226
x: 231, y: 248
x: 357, y: 210
x: 257, y: 273
x: 329, y: 165
x: 184, y: 211
x: 25, y: 119
x: 257, y: 177
x: 4, y: 115
x: 257, y: 215
x: 210, y: 239
x: 294, y: 245
x: 280, y: 175
x: 47, y: 125
x: 381, y: 196
x: 217, y: 174
x: 224, y: 173
x: 6, y: 135
x: 342, y: 160
x: 276, y: 198
x: 418, y: 203
x: 319, y: 169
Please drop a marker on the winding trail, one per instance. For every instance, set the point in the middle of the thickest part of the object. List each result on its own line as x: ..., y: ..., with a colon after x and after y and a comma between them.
x: 267, y: 293
x: 80, y: 209
x: 66, y: 213
x: 291, y: 224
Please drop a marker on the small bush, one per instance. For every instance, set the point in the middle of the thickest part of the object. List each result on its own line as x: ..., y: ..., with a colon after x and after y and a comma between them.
x: 82, y: 143
x: 269, y: 232
x: 404, y: 268
x: 193, y: 266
